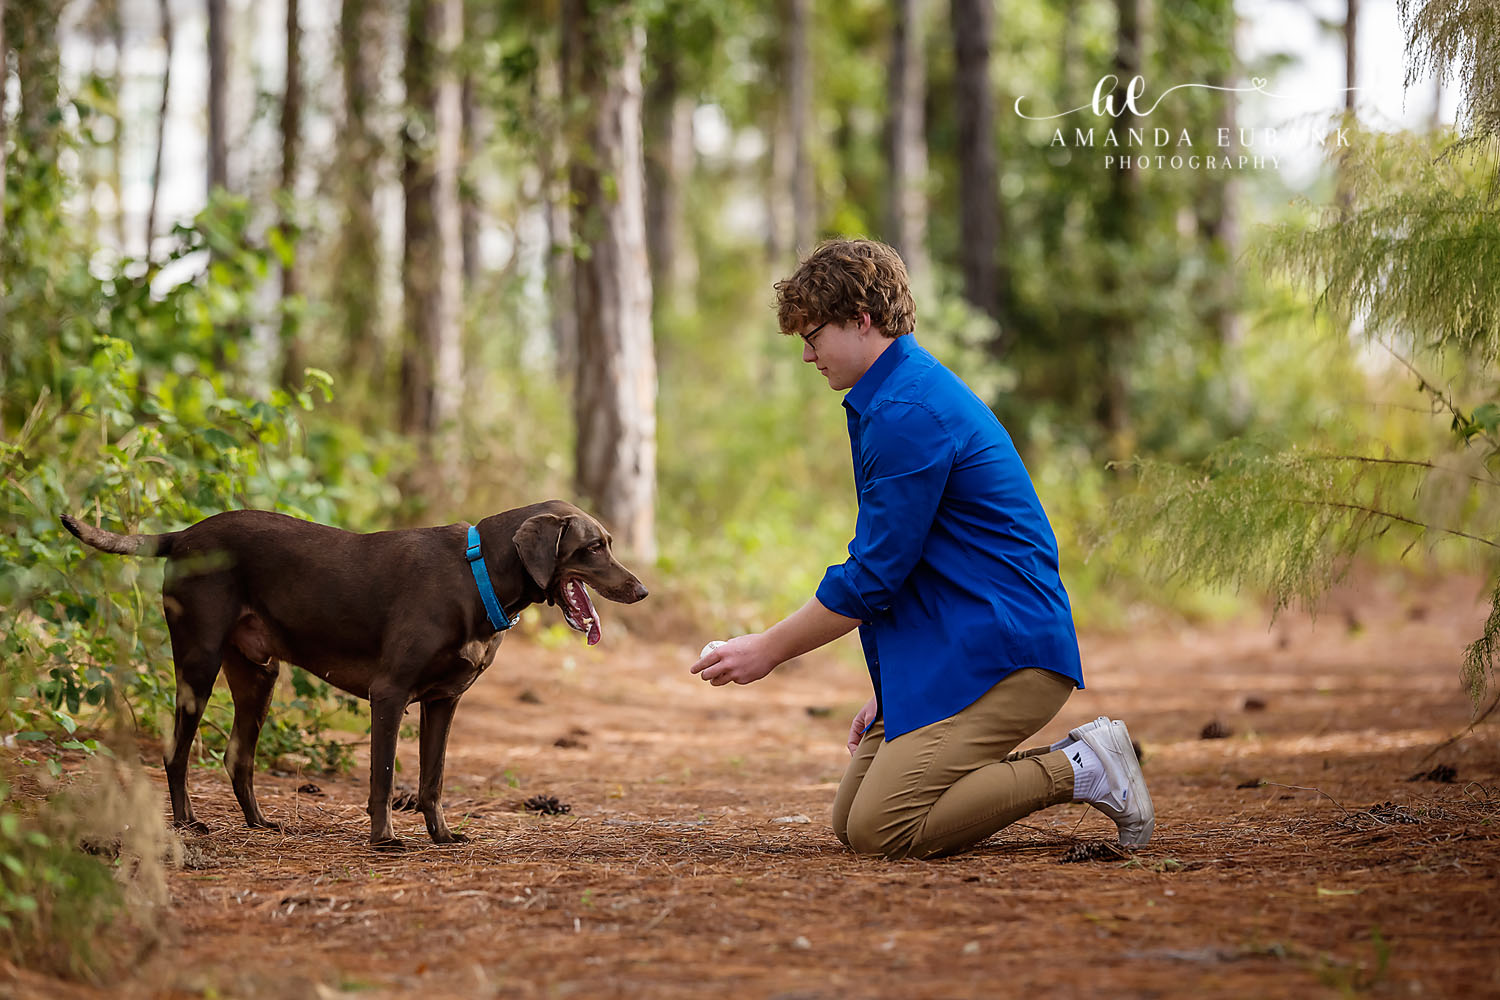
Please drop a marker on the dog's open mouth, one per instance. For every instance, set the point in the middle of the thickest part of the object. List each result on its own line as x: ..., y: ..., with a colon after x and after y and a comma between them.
x: 578, y: 609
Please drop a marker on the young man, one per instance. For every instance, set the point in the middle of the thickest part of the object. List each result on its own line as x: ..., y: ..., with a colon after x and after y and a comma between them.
x: 952, y: 581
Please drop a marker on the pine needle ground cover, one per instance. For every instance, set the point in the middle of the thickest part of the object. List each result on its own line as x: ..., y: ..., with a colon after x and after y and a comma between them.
x: 1293, y: 857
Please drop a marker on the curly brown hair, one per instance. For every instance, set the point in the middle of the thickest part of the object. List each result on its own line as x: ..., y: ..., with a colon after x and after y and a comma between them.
x: 843, y: 278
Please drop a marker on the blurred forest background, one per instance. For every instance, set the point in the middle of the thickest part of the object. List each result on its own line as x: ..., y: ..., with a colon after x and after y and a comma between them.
x: 380, y: 263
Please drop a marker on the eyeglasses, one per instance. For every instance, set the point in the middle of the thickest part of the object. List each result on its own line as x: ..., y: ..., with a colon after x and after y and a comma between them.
x: 810, y: 334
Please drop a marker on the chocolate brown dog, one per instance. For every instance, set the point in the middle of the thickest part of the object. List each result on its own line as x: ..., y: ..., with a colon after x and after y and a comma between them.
x: 394, y: 617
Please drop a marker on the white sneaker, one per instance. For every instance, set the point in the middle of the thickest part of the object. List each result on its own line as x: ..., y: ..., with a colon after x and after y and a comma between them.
x: 1072, y: 736
x: 1129, y: 805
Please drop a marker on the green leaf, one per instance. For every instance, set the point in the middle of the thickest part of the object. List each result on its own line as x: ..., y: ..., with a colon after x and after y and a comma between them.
x: 1487, y: 417
x: 281, y: 246
x: 218, y: 439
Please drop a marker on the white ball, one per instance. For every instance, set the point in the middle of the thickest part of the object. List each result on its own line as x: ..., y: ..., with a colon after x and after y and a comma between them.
x: 710, y: 648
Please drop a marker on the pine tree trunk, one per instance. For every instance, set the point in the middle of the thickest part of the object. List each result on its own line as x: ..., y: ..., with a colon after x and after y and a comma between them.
x: 790, y: 209
x: 165, y: 8
x: 1351, y: 52
x: 1351, y: 81
x: 468, y: 201
x: 117, y: 140
x: 432, y: 263
x: 31, y: 31
x: 669, y: 163
x: 1218, y: 226
x: 972, y: 22
x: 799, y: 98
x: 615, y: 387
x: 561, y: 262
x: 4, y: 75
x: 291, y: 138
x: 1117, y: 226
x: 906, y: 203
x: 33, y: 36
x: 1070, y: 58
x: 218, y: 58
x: 357, y: 278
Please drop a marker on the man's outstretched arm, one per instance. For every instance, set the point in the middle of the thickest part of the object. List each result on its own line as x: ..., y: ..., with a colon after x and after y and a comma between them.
x: 751, y: 657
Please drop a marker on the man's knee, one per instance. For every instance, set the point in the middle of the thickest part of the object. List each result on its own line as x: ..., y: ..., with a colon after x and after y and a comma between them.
x: 841, y: 825
x: 878, y: 835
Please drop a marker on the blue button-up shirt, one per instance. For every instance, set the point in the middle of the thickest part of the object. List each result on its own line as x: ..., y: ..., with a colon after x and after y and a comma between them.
x: 953, y: 566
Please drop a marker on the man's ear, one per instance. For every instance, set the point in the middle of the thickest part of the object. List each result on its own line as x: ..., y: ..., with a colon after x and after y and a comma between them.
x: 537, y: 540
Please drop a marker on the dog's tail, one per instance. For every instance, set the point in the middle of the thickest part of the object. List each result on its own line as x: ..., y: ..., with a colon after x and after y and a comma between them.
x: 124, y: 545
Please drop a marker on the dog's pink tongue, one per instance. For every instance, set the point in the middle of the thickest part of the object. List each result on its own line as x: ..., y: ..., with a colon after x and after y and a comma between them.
x: 588, y: 607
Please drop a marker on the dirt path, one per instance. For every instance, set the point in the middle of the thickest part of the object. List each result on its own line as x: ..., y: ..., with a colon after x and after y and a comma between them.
x: 684, y: 869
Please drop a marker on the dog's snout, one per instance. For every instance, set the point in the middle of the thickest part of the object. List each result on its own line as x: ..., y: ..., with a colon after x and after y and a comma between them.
x: 641, y: 592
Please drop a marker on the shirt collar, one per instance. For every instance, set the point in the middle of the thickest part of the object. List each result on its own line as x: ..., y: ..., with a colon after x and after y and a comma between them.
x: 863, y: 391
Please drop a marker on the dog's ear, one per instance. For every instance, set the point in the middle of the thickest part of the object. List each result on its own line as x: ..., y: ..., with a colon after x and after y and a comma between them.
x: 538, y: 540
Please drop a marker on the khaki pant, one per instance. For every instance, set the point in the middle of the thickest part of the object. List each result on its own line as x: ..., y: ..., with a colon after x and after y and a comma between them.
x: 948, y: 786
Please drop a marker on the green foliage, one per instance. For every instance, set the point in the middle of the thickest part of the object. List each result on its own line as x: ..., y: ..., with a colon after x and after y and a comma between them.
x: 1415, y: 257
x: 132, y: 449
x: 1285, y: 521
x: 124, y: 399
x: 48, y: 886
x: 1407, y: 261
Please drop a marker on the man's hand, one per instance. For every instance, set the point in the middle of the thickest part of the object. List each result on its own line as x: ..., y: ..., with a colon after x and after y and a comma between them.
x: 860, y: 724
x: 741, y: 660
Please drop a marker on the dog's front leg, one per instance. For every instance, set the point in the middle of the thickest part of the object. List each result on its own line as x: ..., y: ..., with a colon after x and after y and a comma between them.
x: 386, y: 710
x: 437, y: 718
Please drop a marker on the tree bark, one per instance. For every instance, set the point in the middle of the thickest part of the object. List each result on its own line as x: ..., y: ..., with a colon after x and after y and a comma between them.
x: 1219, y: 228
x: 615, y: 388
x: 799, y: 99
x: 669, y: 163
x: 972, y: 22
x: 218, y: 58
x: 117, y: 140
x: 33, y: 36
x: 1117, y: 226
x: 291, y: 140
x: 32, y: 32
x: 906, y: 202
x: 561, y: 261
x: 161, y: 123
x: 1351, y: 52
x: 468, y: 201
x: 790, y: 208
x: 1351, y: 81
x: 357, y: 280
x: 432, y: 262
x: 4, y: 77
x: 1070, y: 58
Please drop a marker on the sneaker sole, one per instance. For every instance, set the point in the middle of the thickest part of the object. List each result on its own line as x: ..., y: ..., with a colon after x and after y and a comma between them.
x: 1139, y: 794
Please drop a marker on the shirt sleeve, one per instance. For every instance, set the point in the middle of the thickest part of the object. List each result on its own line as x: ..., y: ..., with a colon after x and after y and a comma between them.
x: 905, y: 456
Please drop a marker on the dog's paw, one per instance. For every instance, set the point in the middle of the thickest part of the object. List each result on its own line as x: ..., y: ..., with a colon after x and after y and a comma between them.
x: 389, y: 844
x: 191, y: 826
x: 265, y: 824
x: 450, y: 838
